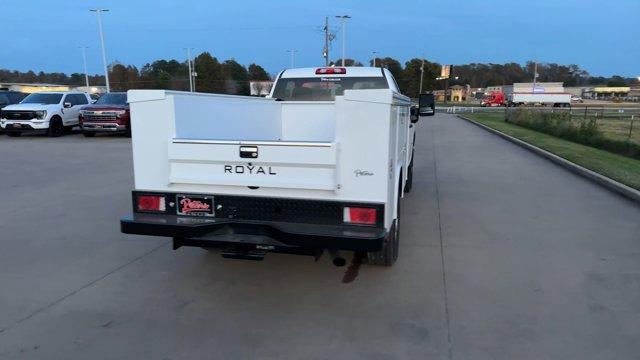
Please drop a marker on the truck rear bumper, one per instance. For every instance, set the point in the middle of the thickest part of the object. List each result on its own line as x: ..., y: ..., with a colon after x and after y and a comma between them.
x: 262, y: 235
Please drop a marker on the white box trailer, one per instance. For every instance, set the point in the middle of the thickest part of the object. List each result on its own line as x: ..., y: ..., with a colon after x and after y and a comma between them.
x: 252, y: 175
x: 540, y: 98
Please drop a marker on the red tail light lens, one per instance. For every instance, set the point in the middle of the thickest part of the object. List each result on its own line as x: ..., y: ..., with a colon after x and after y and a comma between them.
x: 331, y: 70
x: 364, y: 216
x: 152, y: 203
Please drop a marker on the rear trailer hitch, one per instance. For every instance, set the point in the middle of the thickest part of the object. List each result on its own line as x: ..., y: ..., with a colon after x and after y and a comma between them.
x: 244, y: 254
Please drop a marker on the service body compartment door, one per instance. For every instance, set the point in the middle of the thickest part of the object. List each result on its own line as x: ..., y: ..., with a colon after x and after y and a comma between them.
x: 278, y: 164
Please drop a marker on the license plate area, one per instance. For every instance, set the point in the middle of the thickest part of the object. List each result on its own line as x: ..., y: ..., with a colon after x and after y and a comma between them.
x: 194, y: 205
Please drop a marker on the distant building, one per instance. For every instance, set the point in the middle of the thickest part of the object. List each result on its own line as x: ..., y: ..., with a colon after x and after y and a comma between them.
x: 260, y: 88
x: 505, y: 89
x: 607, y: 92
x: 456, y: 93
x: 34, y: 87
x: 91, y: 89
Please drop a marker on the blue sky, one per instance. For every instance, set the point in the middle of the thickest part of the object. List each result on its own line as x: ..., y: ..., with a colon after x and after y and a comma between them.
x: 602, y: 37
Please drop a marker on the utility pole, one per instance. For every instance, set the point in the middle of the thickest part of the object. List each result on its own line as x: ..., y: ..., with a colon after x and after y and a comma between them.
x: 344, y: 18
x: 104, y: 56
x: 325, y: 51
x: 421, y: 74
x: 84, y: 61
x: 535, y: 76
x: 190, y: 69
x: 293, y: 54
x: 373, y: 62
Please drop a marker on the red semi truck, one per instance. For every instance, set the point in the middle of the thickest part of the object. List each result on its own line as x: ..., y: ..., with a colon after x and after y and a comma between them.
x: 555, y: 99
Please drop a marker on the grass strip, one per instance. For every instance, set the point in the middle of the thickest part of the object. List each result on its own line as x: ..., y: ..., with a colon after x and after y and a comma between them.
x: 617, y: 167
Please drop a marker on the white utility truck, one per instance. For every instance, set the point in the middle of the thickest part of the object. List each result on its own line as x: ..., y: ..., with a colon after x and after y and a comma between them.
x: 319, y: 165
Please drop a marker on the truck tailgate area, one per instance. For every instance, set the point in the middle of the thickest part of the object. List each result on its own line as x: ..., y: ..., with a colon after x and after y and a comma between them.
x: 254, y: 164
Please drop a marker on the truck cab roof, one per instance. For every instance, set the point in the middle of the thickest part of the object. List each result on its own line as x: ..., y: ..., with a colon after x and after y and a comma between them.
x: 349, y: 71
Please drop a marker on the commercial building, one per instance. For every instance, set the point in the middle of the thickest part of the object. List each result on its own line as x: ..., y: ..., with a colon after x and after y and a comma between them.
x: 33, y: 87
x: 607, y: 92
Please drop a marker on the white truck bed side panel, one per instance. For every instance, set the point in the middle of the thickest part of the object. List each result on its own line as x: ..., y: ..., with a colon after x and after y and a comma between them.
x: 363, y: 132
x: 308, y: 121
x: 151, y: 131
x: 225, y: 117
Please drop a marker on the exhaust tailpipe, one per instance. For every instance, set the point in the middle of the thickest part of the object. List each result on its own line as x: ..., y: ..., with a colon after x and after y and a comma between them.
x: 336, y: 258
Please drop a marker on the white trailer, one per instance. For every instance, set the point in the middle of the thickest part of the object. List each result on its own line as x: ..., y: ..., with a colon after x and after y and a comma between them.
x: 540, y: 98
x: 319, y: 165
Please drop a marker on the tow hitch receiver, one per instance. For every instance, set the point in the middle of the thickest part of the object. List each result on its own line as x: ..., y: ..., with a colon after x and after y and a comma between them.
x: 243, y: 254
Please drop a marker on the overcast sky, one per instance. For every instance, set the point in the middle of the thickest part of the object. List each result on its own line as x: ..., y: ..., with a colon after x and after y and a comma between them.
x: 600, y: 36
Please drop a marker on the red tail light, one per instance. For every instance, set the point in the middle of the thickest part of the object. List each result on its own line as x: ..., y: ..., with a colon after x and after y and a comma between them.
x: 364, y: 216
x: 153, y: 203
x: 331, y: 70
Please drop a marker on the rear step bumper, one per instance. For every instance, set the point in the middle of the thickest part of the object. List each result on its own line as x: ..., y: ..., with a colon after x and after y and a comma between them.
x: 260, y: 235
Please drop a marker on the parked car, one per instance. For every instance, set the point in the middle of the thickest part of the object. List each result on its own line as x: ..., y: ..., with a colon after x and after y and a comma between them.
x: 110, y: 114
x: 51, y: 112
x: 577, y: 99
x: 10, y: 98
x: 319, y: 166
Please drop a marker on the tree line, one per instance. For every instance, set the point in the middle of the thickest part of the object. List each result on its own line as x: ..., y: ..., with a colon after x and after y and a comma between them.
x: 231, y: 77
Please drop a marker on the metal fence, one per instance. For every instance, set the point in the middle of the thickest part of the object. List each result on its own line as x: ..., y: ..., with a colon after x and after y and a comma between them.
x: 593, y: 112
x: 618, y: 123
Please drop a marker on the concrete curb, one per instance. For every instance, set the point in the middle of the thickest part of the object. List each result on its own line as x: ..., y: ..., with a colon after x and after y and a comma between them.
x: 602, y: 180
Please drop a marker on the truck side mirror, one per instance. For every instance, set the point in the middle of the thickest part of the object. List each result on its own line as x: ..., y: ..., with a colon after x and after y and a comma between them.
x: 427, y: 105
x: 415, y: 114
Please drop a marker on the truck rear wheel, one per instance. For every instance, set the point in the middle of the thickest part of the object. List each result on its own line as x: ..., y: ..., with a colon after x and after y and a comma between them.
x: 409, y: 183
x: 389, y: 253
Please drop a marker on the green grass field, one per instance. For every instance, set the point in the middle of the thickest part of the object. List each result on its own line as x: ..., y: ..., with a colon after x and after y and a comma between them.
x: 617, y: 167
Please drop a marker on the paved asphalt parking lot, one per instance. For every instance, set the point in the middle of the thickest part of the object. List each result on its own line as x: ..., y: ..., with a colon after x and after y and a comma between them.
x: 503, y: 256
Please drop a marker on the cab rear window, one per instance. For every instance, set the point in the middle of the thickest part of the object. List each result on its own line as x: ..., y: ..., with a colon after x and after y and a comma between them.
x: 323, y: 88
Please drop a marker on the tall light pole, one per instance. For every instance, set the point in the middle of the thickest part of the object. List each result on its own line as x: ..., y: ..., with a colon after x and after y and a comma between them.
x: 373, y: 55
x: 344, y: 18
x: 190, y: 69
x: 293, y: 54
x: 104, y: 55
x: 422, y: 74
x: 535, y: 76
x: 84, y: 62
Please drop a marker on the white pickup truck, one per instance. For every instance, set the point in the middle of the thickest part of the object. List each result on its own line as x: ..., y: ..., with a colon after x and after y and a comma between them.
x: 319, y: 165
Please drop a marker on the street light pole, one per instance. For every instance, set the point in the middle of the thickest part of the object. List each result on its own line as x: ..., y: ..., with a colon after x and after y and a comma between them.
x: 344, y: 18
x: 374, y: 58
x: 293, y: 54
x: 535, y: 76
x: 104, y: 55
x: 84, y: 62
x: 190, y: 69
x: 421, y: 74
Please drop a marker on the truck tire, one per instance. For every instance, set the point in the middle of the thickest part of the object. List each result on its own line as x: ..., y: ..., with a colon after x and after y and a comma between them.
x: 389, y: 253
x: 55, y: 127
x: 409, y: 183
